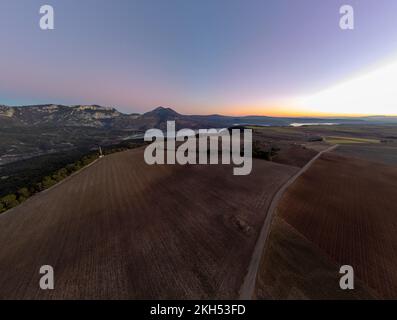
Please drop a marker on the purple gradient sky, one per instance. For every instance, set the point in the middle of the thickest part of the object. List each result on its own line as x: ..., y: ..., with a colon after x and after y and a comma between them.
x: 199, y: 57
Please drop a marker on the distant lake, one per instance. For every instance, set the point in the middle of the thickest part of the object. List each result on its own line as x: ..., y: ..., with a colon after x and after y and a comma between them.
x: 297, y: 124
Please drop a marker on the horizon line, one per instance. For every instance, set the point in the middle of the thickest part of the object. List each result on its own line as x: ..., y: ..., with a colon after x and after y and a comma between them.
x: 269, y: 114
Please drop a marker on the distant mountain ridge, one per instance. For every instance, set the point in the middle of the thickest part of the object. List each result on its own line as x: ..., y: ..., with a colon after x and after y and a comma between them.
x: 107, y: 117
x: 51, y: 114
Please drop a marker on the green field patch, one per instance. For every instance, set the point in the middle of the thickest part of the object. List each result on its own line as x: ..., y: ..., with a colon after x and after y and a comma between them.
x: 273, y: 129
x: 256, y: 127
x: 349, y: 140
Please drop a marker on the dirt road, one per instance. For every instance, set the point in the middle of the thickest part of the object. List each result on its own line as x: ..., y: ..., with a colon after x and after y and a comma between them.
x: 247, y: 289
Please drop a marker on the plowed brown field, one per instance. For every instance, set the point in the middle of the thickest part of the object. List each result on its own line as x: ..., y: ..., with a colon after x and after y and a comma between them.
x: 121, y: 229
x: 347, y: 208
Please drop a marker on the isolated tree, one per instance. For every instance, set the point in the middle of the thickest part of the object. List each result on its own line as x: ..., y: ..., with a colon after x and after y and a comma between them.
x: 71, y: 168
x: 10, y: 201
x: 62, y: 173
x: 23, y: 193
x: 38, y: 187
x: 47, y: 182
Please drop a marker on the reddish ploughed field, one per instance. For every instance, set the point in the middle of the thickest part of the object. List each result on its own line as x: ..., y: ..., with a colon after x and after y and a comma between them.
x: 121, y: 229
x: 347, y: 208
x: 294, y: 155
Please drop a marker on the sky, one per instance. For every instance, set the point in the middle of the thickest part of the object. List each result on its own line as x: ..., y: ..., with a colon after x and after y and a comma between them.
x: 233, y: 57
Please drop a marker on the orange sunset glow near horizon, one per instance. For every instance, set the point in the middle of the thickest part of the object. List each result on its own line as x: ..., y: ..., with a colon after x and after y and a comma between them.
x: 372, y: 93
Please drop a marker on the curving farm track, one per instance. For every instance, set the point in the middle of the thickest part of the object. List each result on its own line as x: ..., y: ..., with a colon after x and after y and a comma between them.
x: 248, y: 286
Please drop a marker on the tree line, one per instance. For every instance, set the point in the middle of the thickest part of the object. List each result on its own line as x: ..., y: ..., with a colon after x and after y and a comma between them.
x: 13, y: 199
